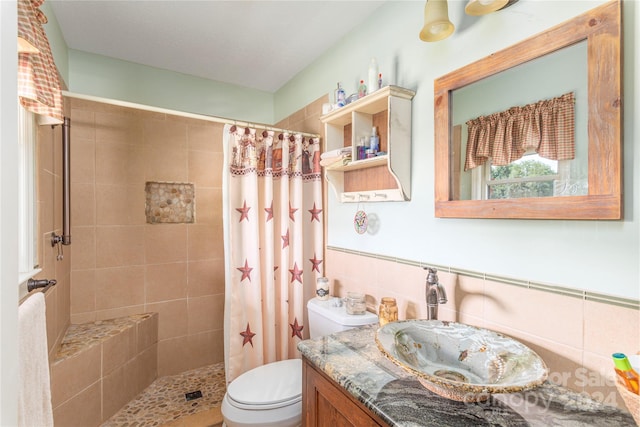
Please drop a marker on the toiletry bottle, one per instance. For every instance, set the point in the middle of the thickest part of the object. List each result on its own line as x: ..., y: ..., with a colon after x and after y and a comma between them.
x: 380, y: 81
x: 374, y: 144
x: 624, y: 370
x: 373, y: 76
x: 362, y: 89
x: 362, y: 149
x: 340, y: 96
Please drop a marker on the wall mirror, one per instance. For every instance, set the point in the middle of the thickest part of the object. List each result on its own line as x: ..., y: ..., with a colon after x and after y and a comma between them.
x: 581, y: 57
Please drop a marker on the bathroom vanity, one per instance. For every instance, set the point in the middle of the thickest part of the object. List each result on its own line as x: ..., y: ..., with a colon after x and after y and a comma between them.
x: 347, y: 381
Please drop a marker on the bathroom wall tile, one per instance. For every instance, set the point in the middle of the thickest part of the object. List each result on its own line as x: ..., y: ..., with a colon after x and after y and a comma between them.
x: 173, y: 356
x: 83, y: 206
x: 119, y: 246
x: 165, y: 243
x: 205, y: 242
x: 83, y: 161
x: 63, y: 302
x: 468, y: 295
x: 118, y: 126
x: 82, y: 124
x: 120, y: 163
x: 46, y: 197
x: 205, y: 137
x: 120, y: 204
x: 164, y: 134
x: 205, y: 313
x: 113, y: 313
x: 165, y: 165
x: 609, y: 329
x: 208, y: 205
x: 118, y: 350
x: 83, y: 291
x: 119, y: 287
x: 297, y: 116
x: 147, y: 332
x: 519, y: 308
x: 562, y: 360
x: 79, y: 318
x: 205, y: 168
x: 51, y: 312
x: 172, y: 318
x: 72, y: 375
x: 206, y: 277
x: 84, y: 248
x: 44, y: 149
x: 84, y: 409
x: 165, y: 282
x: 117, y: 389
x: 206, y: 348
x: 145, y: 369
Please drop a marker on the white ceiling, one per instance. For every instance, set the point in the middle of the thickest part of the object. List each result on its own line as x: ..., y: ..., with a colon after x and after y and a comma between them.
x: 255, y: 44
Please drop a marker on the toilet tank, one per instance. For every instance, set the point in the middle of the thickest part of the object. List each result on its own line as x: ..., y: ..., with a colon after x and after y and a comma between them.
x: 328, y: 317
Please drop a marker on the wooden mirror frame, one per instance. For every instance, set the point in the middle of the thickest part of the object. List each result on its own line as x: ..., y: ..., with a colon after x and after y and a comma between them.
x: 601, y: 27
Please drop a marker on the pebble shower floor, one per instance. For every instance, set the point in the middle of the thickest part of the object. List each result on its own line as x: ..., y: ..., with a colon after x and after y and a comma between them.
x: 163, y: 403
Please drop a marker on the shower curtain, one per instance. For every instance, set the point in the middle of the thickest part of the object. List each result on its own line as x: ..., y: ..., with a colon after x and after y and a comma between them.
x: 273, y: 243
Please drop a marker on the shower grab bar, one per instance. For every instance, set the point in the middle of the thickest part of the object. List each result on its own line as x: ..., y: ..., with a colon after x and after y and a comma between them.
x: 65, y: 238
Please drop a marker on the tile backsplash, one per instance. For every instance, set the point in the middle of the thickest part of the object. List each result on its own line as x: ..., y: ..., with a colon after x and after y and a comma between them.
x: 574, y: 335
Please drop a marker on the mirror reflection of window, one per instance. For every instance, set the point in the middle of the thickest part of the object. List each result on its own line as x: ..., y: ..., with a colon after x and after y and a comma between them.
x: 546, y: 77
x: 529, y: 176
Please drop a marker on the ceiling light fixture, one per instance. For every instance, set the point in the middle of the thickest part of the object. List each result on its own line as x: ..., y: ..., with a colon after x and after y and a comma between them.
x: 436, y: 21
x: 484, y: 7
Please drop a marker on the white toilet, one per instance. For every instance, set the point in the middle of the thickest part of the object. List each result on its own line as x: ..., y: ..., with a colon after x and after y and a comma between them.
x: 271, y: 395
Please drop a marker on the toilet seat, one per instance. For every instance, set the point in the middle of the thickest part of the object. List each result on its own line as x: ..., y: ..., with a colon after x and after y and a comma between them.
x: 271, y: 386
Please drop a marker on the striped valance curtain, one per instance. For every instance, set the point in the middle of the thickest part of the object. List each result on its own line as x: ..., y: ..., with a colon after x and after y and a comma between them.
x: 38, y: 83
x: 547, y: 127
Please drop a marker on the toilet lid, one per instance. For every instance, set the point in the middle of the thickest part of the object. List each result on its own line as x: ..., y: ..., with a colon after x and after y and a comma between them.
x: 269, y: 386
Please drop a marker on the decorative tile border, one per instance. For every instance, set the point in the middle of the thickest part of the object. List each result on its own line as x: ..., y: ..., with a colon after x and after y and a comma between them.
x: 576, y: 293
x: 169, y: 202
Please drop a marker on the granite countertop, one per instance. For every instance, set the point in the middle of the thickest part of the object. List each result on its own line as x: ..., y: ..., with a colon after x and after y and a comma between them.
x: 352, y: 359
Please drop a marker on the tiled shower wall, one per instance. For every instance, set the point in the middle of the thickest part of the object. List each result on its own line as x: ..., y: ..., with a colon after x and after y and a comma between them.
x: 121, y: 265
x: 49, y: 184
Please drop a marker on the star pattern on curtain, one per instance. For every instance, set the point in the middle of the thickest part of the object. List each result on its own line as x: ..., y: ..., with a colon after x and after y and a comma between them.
x: 296, y: 329
x: 292, y: 212
x: 285, y: 239
x: 315, y: 263
x: 269, y: 212
x: 296, y: 274
x: 315, y: 213
x: 246, y: 271
x: 247, y: 336
x: 244, y: 211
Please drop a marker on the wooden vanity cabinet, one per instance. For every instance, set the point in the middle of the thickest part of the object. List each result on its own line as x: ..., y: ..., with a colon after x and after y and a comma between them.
x: 325, y: 404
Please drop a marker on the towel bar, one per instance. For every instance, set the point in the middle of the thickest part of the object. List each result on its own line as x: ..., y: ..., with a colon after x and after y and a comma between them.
x: 37, y: 284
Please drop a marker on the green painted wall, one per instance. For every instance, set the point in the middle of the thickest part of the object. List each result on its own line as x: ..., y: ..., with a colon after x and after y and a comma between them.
x: 601, y: 256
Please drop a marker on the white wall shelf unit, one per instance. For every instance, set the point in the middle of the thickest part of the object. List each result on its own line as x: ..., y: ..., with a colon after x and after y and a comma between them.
x: 389, y: 109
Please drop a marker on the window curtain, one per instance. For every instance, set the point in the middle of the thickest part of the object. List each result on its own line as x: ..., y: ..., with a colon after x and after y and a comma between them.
x: 547, y: 126
x: 38, y: 84
x: 273, y: 243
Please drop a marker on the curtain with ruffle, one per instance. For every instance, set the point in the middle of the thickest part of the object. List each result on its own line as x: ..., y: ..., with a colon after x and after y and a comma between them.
x: 38, y: 83
x: 547, y: 126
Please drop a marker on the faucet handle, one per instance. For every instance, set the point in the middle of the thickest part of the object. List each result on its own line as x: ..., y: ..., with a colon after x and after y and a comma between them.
x: 432, y: 275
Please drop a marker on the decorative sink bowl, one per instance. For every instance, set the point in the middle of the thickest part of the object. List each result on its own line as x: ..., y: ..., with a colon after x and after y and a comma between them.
x: 461, y: 362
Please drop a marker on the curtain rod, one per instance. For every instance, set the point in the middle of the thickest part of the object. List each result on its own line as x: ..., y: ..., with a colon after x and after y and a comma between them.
x: 215, y: 119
